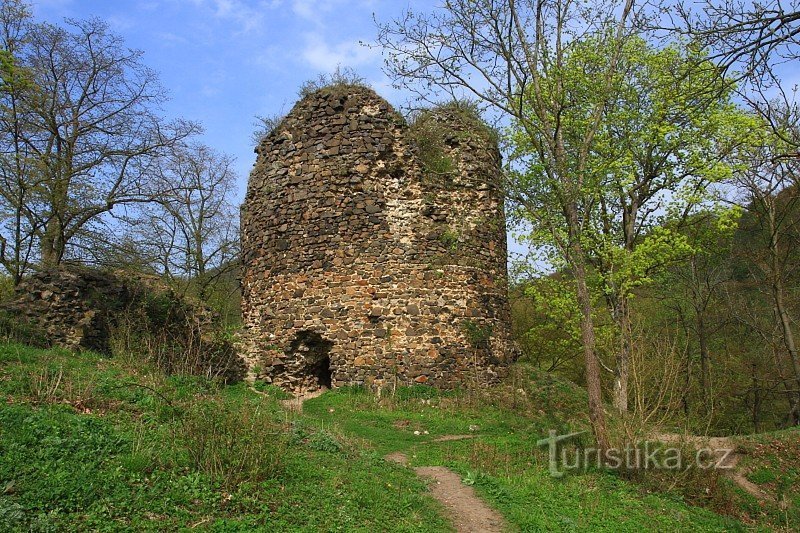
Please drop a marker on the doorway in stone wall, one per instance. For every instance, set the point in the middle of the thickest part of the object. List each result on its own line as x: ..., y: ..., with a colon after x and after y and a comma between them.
x: 315, y: 353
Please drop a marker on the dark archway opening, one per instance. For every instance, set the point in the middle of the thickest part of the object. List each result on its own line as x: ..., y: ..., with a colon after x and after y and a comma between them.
x: 322, y: 372
x: 314, y: 352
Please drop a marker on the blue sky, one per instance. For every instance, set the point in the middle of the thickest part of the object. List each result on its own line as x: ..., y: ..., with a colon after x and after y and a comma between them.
x: 225, y: 61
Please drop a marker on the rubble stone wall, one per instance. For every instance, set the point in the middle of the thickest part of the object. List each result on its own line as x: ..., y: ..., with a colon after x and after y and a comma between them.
x: 365, y: 264
x: 80, y: 308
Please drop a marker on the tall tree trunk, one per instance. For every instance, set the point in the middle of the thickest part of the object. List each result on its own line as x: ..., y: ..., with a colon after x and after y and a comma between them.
x: 52, y: 243
x: 705, y: 362
x: 597, y: 415
x: 789, y: 342
x: 622, y: 319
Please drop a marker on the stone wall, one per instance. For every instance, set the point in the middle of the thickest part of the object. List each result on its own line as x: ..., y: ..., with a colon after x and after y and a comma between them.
x: 79, y: 309
x: 365, y: 262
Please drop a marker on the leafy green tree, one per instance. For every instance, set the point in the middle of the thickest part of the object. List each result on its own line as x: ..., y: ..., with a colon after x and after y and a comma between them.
x: 20, y: 177
x: 662, y: 139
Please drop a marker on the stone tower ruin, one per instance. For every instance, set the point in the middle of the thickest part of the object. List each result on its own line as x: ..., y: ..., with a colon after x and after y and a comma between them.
x: 374, y: 253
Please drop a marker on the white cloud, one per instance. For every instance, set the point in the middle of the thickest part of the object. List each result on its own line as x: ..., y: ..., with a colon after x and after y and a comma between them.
x: 120, y: 23
x: 246, y: 15
x: 50, y: 6
x: 171, y: 38
x: 326, y: 56
x: 311, y: 10
x: 314, y: 10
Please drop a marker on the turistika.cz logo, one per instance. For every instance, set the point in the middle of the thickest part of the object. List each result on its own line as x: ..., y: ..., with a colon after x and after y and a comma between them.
x: 644, y: 456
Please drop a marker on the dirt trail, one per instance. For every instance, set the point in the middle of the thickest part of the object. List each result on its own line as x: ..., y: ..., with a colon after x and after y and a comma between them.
x: 730, y: 463
x: 296, y: 403
x: 468, y: 513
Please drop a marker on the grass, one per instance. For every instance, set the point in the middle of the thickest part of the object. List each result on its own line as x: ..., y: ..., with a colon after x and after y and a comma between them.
x: 502, y: 461
x: 114, y: 446
x: 91, y: 443
x: 772, y: 462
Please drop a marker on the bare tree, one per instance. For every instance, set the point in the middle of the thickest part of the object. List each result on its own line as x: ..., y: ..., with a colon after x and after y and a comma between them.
x: 754, y: 44
x: 92, y: 131
x: 191, y: 231
x: 745, y: 36
x: 770, y: 194
x: 508, y: 54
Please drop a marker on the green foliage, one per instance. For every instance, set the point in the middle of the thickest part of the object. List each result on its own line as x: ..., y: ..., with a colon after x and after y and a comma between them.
x: 176, y: 333
x: 429, y: 136
x: 546, y: 324
x: 270, y: 390
x: 478, y: 336
x: 6, y: 288
x: 449, y: 239
x: 551, y: 334
x: 433, y: 130
x: 667, y: 133
x: 232, y: 443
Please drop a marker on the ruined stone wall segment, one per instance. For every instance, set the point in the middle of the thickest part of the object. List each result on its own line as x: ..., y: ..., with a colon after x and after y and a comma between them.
x: 359, y: 269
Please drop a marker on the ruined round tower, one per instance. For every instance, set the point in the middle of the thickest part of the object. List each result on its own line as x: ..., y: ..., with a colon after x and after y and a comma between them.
x: 374, y: 253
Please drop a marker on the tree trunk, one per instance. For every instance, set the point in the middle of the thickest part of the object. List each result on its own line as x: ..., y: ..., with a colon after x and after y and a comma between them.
x: 705, y: 363
x: 622, y: 319
x: 52, y: 244
x: 597, y: 415
x: 756, y: 401
x: 789, y: 342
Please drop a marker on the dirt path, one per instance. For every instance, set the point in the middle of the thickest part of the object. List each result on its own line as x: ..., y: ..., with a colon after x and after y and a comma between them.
x: 732, y: 470
x: 468, y: 513
x: 296, y: 403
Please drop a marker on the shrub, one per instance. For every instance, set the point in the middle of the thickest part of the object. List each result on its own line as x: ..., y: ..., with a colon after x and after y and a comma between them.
x: 342, y: 77
x: 432, y: 130
x: 165, y: 332
x: 13, y: 328
x: 232, y: 443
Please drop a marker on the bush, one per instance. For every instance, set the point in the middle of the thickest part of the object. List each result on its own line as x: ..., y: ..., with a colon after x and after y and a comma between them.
x: 433, y: 129
x: 165, y: 332
x: 342, y: 77
x: 13, y: 328
x: 232, y: 443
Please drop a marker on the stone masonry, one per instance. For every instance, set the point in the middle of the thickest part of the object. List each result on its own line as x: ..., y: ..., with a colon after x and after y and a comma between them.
x: 374, y: 254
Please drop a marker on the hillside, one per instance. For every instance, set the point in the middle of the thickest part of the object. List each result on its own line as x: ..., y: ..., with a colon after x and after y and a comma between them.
x: 111, y: 444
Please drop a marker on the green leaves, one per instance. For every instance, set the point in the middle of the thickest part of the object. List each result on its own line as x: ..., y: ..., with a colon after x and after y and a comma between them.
x: 667, y: 133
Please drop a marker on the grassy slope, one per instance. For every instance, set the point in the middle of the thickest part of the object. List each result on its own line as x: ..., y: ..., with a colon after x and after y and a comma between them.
x: 99, y: 454
x: 772, y: 462
x: 503, y: 461
x: 104, y: 450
